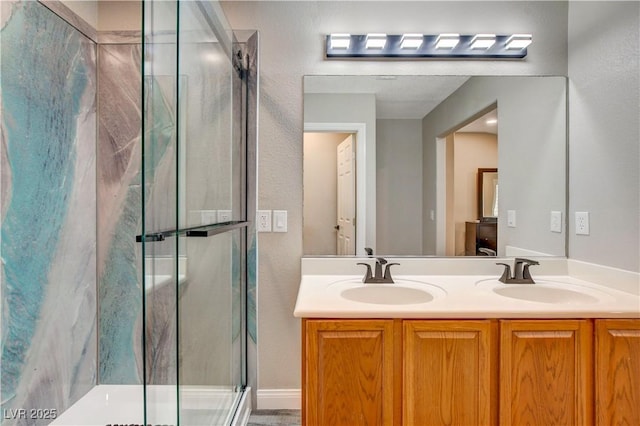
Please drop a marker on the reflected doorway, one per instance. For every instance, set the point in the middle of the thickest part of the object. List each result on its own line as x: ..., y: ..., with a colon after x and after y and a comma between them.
x: 329, y: 201
x: 468, y: 149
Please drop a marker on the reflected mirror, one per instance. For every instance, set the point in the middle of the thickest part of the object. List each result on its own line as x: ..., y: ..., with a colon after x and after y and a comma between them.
x: 391, y: 163
x: 487, y: 194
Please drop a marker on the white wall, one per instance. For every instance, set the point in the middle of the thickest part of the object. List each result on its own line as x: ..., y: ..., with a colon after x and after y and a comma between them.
x: 108, y: 15
x: 292, y: 45
x: 87, y: 10
x: 604, y: 131
x: 399, y: 187
x: 120, y: 15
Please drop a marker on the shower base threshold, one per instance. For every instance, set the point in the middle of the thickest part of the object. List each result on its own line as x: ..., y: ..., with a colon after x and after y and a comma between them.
x: 124, y: 405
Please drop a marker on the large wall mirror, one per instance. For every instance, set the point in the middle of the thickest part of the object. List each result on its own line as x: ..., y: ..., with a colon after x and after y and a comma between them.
x: 392, y: 163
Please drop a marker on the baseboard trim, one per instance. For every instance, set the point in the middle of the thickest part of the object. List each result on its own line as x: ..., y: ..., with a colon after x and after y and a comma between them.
x: 279, y: 399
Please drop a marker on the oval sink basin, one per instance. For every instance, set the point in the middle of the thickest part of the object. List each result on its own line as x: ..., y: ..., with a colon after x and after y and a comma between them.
x: 544, y: 294
x: 387, y: 294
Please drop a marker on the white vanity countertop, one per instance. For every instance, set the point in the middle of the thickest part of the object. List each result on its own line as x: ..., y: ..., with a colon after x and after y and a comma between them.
x: 462, y: 296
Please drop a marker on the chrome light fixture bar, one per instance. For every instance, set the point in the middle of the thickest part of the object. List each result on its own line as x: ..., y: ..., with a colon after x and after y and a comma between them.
x: 340, y: 41
x: 379, y: 45
x: 376, y: 41
x: 483, y: 41
x: 447, y: 41
x: 518, y: 41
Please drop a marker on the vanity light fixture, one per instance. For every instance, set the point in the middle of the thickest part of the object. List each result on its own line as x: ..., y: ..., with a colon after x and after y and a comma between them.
x: 483, y: 41
x: 518, y: 41
x: 376, y: 41
x: 447, y: 41
x: 411, y: 41
x: 411, y: 46
x: 340, y: 41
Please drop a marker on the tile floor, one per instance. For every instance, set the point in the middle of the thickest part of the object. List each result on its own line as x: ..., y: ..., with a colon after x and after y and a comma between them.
x: 274, y: 417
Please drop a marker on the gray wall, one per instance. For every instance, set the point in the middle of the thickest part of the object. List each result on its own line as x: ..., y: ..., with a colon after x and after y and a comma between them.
x: 351, y: 108
x: 301, y: 26
x: 399, y: 187
x: 604, y: 131
x: 531, y: 155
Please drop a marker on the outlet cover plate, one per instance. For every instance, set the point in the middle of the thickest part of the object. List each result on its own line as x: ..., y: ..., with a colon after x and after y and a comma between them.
x: 263, y: 221
x: 582, y: 223
x: 511, y: 218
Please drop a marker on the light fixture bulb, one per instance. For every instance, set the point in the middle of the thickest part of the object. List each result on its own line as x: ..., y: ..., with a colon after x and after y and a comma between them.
x: 411, y: 41
x: 492, y: 121
x: 340, y: 41
x: 483, y: 41
x: 447, y: 41
x: 376, y: 41
x: 518, y: 41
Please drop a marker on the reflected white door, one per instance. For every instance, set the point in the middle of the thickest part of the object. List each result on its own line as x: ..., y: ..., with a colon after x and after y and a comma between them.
x: 346, y: 197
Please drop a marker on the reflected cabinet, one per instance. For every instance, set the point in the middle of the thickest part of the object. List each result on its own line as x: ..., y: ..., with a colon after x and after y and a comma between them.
x: 470, y: 372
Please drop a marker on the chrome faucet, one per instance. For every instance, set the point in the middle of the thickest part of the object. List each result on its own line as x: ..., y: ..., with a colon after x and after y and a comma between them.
x: 378, y: 277
x: 521, y: 272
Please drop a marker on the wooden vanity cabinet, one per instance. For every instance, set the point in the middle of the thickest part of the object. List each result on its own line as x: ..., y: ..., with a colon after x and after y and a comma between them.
x: 617, y: 370
x: 546, y: 373
x: 449, y: 371
x: 444, y: 372
x: 395, y: 372
x: 349, y: 372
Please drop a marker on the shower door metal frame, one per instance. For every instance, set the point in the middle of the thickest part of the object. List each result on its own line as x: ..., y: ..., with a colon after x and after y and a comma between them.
x: 244, y: 60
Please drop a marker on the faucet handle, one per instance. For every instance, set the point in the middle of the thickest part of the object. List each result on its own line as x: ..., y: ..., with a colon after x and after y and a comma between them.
x: 367, y: 275
x: 381, y: 260
x: 369, y: 251
x: 506, y: 274
x: 522, y: 268
x: 387, y: 271
x: 525, y: 273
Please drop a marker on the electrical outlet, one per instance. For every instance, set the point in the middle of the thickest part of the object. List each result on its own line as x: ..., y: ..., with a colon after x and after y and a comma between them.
x: 511, y: 218
x: 556, y: 221
x: 582, y: 223
x: 263, y: 221
x: 224, y: 216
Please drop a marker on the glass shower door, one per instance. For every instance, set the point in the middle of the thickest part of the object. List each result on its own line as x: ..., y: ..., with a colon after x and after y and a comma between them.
x: 195, y: 216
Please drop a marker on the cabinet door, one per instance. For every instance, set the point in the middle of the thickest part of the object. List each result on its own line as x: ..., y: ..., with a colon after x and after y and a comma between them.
x: 449, y: 373
x: 546, y: 372
x: 617, y: 372
x: 348, y: 372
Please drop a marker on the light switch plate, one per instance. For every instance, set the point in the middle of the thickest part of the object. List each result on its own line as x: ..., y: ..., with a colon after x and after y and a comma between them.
x: 511, y: 218
x: 207, y: 217
x: 263, y: 221
x: 279, y: 221
x: 556, y: 221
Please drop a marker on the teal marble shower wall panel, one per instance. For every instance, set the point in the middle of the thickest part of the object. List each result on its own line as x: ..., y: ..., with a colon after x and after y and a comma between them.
x: 120, y: 205
x: 48, y: 247
x: 119, y: 214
